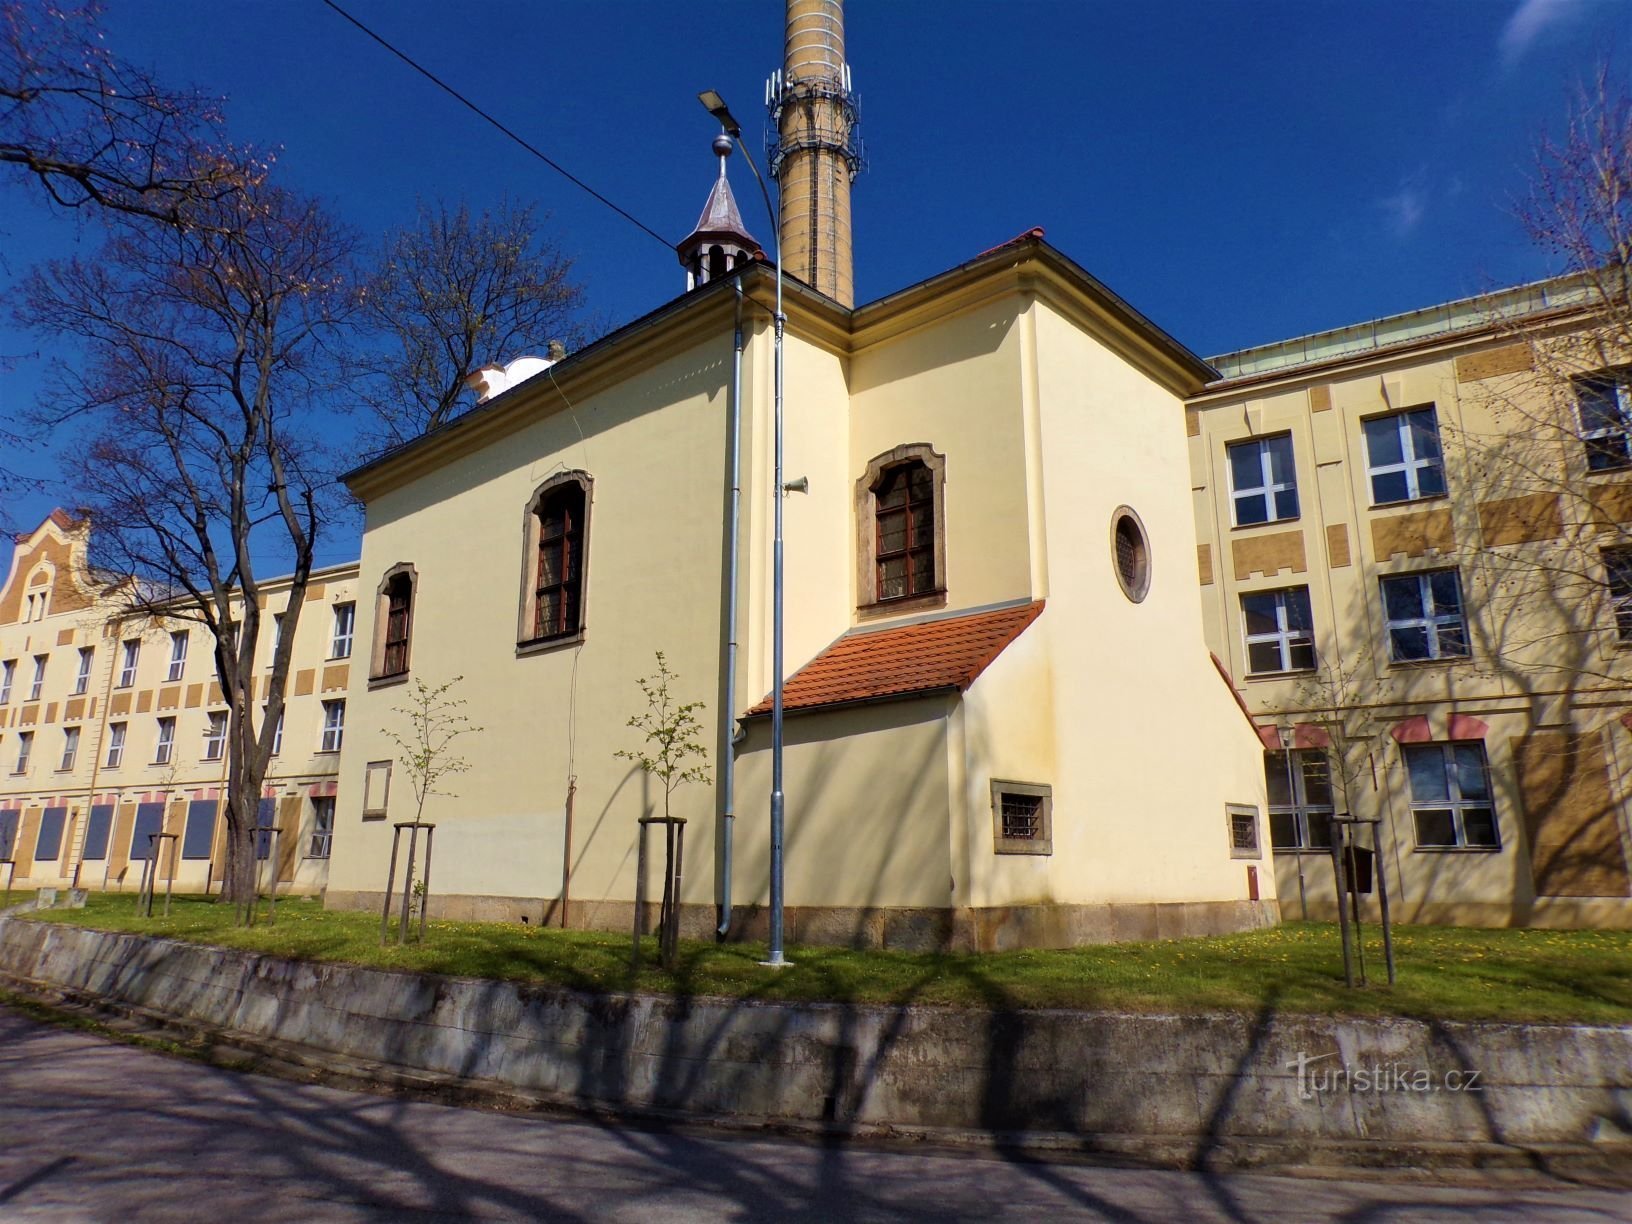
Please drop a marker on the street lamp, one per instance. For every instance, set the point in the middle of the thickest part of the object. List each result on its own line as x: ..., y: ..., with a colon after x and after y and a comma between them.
x: 715, y: 105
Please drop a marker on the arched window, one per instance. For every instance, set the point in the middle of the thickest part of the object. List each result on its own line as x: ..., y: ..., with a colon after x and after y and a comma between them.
x: 394, y: 623
x: 901, y: 528
x: 554, y: 568
x: 716, y: 262
x: 904, y: 519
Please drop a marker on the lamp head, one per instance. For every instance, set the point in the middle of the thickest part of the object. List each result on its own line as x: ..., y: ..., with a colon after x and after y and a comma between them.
x: 715, y: 105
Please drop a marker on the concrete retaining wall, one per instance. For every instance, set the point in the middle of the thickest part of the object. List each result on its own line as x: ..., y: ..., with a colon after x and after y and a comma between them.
x: 1182, y: 1088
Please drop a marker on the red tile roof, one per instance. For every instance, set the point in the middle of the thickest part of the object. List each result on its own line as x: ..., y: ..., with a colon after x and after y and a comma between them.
x: 873, y: 664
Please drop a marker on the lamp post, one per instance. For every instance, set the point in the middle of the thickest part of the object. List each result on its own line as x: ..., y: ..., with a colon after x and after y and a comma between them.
x: 715, y: 105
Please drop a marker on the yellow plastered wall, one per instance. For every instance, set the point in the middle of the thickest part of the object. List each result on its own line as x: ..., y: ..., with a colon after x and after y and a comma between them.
x: 655, y: 447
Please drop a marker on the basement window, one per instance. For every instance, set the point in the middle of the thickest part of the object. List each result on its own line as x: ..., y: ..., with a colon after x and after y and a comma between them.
x: 1243, y: 826
x: 1022, y: 818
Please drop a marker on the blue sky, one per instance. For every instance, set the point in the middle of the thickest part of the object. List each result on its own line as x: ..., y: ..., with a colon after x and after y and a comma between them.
x: 1240, y: 172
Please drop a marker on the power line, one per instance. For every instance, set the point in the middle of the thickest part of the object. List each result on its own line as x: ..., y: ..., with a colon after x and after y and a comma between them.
x: 449, y: 89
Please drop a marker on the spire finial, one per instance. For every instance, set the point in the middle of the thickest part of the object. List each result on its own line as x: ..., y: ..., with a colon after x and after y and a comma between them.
x: 723, y: 145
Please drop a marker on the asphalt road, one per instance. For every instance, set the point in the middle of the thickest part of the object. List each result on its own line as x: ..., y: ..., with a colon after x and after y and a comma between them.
x: 95, y: 1130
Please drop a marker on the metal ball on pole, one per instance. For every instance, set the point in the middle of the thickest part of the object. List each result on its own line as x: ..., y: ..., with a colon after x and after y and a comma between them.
x: 715, y: 105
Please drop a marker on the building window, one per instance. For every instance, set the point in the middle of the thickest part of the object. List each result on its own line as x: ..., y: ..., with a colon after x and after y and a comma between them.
x: 277, y: 638
x: 1402, y: 453
x: 334, y: 725
x: 38, y: 684
x: 1604, y: 400
x: 1618, y: 582
x: 1300, y: 799
x: 345, y: 623
x: 901, y: 521
x: 557, y: 537
x: 215, y: 736
x: 1022, y: 818
x: 322, y: 827
x: 1242, y: 820
x: 70, y: 748
x: 1424, y: 615
x: 25, y: 748
x: 166, y: 746
x: 904, y: 526
x: 178, y: 655
x: 1450, y: 796
x: 394, y: 622
x: 8, y: 672
x: 82, y: 679
x: 127, y: 666
x: 1130, y: 553
x: 1263, y: 480
x: 116, y: 746
x: 277, y: 732
x: 1280, y: 631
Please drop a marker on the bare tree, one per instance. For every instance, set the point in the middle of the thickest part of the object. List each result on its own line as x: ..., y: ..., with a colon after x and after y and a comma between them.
x: 96, y: 132
x: 194, y: 407
x: 451, y: 294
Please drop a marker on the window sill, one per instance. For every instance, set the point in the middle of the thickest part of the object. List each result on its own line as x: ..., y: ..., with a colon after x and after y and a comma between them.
x: 325, y: 752
x: 379, y: 682
x: 545, y: 645
x: 1321, y: 850
x: 338, y: 658
x: 907, y: 603
x: 1290, y: 674
x: 1412, y: 664
x: 1015, y: 846
x: 1410, y: 501
x: 1456, y: 849
x: 1296, y: 518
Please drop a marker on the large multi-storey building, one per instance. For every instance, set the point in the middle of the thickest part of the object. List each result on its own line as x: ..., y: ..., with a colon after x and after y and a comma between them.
x: 113, y: 730
x: 1412, y: 550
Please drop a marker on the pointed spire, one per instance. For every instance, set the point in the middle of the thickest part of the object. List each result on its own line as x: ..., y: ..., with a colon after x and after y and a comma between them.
x: 720, y: 241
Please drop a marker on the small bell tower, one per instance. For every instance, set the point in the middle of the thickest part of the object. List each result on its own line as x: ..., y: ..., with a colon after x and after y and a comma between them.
x: 720, y: 242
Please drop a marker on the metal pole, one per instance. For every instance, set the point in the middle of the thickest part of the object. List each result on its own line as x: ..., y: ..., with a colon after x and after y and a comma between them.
x: 728, y: 762
x: 390, y: 878
x: 1382, y: 899
x: 775, y: 958
x: 170, y: 881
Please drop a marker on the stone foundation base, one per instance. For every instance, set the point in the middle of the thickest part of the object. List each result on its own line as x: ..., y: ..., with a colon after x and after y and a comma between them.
x: 906, y: 929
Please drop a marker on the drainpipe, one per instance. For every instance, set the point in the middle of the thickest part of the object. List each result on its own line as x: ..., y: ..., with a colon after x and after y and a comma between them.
x: 729, y: 763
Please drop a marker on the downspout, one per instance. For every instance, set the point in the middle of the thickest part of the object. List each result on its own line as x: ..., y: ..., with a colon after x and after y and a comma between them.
x: 729, y: 759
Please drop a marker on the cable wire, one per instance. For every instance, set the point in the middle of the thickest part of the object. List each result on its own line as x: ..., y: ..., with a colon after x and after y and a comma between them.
x: 450, y: 90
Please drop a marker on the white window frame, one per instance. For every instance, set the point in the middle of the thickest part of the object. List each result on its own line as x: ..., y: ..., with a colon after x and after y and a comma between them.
x: 1429, y: 620
x: 36, y: 686
x: 25, y: 749
x: 70, y: 749
x: 1620, y: 387
x: 1283, y: 637
x: 334, y: 725
x: 1300, y: 809
x: 322, y: 843
x: 277, y: 731
x: 277, y: 638
x: 116, y: 745
x: 8, y: 672
x: 1411, y: 464
x: 82, y: 679
x: 215, y: 736
x: 178, y: 656
x: 1456, y: 803
x: 343, y: 635
x: 164, y: 749
x: 128, y: 662
x: 1268, y: 487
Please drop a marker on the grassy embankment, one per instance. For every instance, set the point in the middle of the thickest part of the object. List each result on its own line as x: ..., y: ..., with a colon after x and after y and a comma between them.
x: 1444, y: 973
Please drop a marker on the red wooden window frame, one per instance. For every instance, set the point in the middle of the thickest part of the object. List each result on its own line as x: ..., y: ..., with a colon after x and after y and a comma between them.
x: 559, y: 577
x: 911, y: 488
x: 399, y: 607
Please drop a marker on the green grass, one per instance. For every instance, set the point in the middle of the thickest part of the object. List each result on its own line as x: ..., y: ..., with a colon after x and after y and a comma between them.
x: 1444, y: 972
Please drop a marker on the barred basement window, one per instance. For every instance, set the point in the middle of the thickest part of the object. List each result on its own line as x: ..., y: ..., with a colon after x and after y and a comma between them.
x: 1022, y: 818
x: 1243, y: 819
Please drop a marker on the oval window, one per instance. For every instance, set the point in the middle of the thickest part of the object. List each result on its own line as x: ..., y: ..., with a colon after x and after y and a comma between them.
x: 1130, y: 548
